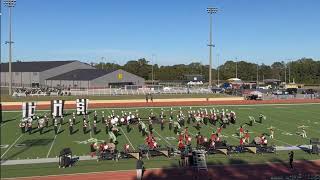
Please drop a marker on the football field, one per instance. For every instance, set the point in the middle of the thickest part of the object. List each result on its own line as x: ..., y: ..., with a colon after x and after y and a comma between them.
x: 286, y: 120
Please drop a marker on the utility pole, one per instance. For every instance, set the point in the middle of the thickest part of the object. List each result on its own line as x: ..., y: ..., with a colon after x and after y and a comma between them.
x: 210, y: 10
x: 10, y: 4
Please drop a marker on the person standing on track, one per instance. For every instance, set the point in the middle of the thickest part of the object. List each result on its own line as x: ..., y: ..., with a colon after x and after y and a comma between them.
x: 140, y: 168
x: 291, y: 159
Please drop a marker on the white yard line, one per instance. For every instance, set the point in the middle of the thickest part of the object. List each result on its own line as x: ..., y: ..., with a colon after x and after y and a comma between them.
x: 12, y: 145
x: 162, y: 138
x: 127, y: 139
x: 53, y: 142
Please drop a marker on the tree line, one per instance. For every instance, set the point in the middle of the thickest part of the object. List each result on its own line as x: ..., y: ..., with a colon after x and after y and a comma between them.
x: 304, y: 70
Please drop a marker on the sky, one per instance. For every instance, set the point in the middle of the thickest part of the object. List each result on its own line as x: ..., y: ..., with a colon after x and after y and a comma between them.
x: 165, y: 32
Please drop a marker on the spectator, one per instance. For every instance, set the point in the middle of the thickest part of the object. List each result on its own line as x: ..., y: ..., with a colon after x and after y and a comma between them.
x: 140, y: 168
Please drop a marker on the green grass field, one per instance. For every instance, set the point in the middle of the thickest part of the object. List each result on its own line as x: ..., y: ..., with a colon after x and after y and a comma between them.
x: 285, y: 118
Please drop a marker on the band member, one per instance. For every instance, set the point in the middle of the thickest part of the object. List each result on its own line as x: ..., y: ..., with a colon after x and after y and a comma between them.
x: 95, y: 116
x: 107, y: 126
x: 84, y: 118
x: 74, y: 118
x: 128, y: 126
x: 170, y: 123
x: 41, y: 125
x: 70, y: 126
x: 213, y: 136
x: 30, y: 127
x: 219, y: 130
x: 22, y: 126
x: 233, y: 117
x: 53, y: 120
x: 241, y: 132
x: 150, y: 124
x: 247, y: 137
x: 189, y: 117
x: 126, y: 148
x: 271, y: 133
x: 181, y: 146
x: 186, y: 133
x: 46, y: 120
x: 84, y: 127
x: 181, y: 137
x: 162, y: 121
x: 55, y: 125
x: 304, y: 133
x: 61, y: 120
x: 199, y: 139
x: 188, y: 140
x: 241, y: 142
x: 95, y: 126
x: 261, y: 116
x: 102, y: 117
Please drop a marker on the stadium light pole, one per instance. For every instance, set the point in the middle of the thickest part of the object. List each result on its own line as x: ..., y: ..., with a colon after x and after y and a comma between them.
x: 10, y: 4
x: 211, y: 10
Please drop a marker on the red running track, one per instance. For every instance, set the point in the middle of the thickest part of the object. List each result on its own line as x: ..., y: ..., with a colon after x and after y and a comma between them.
x: 177, y: 103
x: 302, y: 169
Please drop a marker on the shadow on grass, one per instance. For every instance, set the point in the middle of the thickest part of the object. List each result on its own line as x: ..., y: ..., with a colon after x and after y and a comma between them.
x: 27, y: 144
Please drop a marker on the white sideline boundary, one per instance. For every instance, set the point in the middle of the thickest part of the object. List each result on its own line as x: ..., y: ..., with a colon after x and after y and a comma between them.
x: 53, y: 141
x: 12, y: 145
x: 127, y: 138
x: 213, y: 105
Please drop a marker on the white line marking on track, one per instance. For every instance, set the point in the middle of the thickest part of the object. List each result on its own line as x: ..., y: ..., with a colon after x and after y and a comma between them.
x: 53, y: 142
x: 12, y: 145
x: 127, y: 139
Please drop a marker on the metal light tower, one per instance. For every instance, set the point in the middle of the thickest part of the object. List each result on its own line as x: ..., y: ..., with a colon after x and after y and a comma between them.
x: 211, y: 10
x: 10, y: 4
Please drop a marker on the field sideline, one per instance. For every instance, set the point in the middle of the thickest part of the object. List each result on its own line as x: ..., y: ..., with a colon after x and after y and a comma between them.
x: 286, y: 118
